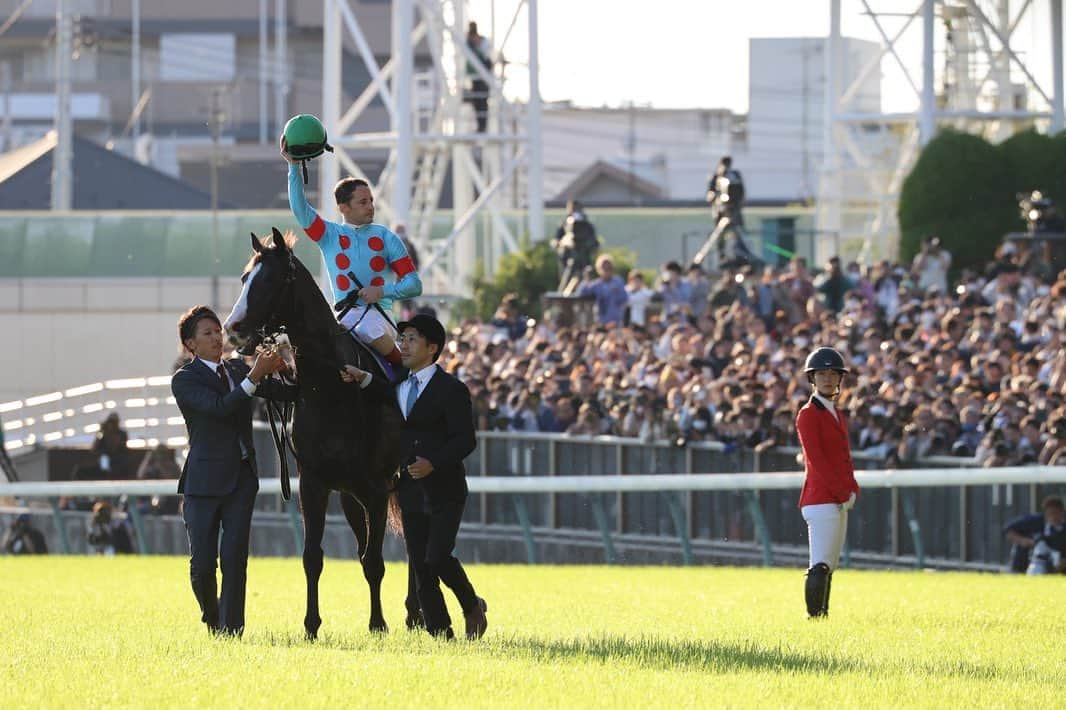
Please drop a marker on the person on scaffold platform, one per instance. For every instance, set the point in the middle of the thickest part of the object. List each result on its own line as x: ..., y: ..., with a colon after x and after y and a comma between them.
x: 829, y: 489
x: 725, y: 195
x: 368, y: 264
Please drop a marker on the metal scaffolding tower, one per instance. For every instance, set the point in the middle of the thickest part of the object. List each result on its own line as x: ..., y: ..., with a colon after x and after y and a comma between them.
x: 432, y: 130
x: 982, y: 85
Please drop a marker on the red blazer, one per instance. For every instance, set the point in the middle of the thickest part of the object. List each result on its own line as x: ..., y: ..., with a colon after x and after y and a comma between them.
x: 826, y: 455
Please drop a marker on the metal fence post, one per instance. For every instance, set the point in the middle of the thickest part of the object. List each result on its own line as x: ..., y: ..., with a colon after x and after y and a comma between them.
x: 138, y: 528
x: 762, y: 531
x: 689, y: 497
x: 522, y: 511
x: 619, y: 466
x: 915, y: 528
x: 61, y: 528
x: 894, y: 521
x: 677, y: 512
x: 600, y: 514
x: 483, y: 457
x: 553, y: 508
x: 964, y: 546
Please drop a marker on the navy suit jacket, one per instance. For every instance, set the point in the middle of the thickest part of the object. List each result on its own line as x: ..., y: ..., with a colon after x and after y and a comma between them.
x: 440, y: 429
x: 218, y: 423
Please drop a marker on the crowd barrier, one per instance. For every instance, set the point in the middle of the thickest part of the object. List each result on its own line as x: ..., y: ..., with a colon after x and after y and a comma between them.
x: 685, y: 506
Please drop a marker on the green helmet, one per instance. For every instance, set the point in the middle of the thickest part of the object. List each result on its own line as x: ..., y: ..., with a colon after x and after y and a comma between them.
x: 305, y: 137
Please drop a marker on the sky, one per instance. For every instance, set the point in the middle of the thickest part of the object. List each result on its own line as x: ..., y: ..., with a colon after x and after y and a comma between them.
x: 694, y: 53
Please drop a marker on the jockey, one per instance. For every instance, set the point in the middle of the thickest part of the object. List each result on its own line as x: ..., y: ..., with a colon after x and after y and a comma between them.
x: 362, y: 249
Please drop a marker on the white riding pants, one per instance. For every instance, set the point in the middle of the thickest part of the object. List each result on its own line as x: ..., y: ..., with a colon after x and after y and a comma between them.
x: 826, y: 525
x: 368, y: 327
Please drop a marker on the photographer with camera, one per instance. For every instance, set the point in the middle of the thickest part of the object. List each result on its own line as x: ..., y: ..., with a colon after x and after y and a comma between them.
x: 930, y: 266
x: 576, y: 244
x: 24, y: 539
x: 725, y: 192
x: 107, y: 535
x: 1038, y: 540
x: 725, y: 195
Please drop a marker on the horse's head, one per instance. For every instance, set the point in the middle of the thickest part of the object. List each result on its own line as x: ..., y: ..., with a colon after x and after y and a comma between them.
x: 266, y: 301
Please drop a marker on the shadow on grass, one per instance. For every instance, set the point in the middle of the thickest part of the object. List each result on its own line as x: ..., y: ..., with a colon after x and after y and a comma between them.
x: 647, y: 652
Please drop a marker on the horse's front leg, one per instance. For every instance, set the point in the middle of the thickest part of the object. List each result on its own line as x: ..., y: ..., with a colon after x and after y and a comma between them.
x: 368, y: 524
x: 313, y: 500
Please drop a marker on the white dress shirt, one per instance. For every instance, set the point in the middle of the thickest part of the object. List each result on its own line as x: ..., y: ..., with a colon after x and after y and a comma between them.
x: 247, y: 385
x: 423, y: 377
x: 828, y: 405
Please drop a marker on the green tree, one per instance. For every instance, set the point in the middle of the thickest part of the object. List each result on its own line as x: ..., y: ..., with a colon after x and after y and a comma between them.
x: 1030, y: 158
x: 962, y: 190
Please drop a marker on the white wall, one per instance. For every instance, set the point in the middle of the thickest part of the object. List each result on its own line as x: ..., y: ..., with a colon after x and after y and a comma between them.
x: 674, y: 148
x: 62, y: 333
x: 786, y: 93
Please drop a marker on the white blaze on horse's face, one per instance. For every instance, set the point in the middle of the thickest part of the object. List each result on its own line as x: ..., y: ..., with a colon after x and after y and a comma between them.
x: 240, y: 308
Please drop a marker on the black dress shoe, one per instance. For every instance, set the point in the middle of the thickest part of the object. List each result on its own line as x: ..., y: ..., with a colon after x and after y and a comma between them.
x: 476, y: 621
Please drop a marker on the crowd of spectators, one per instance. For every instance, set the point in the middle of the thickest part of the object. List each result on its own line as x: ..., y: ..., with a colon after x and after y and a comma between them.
x: 974, y: 368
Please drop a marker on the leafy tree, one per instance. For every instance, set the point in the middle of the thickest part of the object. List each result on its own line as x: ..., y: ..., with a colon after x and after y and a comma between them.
x: 1030, y: 158
x: 962, y: 190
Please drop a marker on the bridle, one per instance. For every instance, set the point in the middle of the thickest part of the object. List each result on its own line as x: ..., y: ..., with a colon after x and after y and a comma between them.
x: 272, y: 337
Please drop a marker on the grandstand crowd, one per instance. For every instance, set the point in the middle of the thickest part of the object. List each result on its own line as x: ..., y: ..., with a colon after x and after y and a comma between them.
x: 974, y: 368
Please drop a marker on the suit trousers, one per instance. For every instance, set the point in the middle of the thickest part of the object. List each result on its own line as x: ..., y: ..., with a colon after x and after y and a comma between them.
x: 827, y: 524
x: 204, y: 517
x: 430, y: 539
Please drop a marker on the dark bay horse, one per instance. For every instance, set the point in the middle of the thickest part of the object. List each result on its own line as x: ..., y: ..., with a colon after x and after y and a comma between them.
x: 344, y: 441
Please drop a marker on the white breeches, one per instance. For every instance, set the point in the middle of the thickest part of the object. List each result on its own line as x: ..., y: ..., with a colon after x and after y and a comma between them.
x: 369, y: 327
x: 826, y: 525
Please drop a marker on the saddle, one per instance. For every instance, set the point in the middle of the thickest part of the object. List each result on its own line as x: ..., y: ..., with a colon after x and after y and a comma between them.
x: 352, y: 351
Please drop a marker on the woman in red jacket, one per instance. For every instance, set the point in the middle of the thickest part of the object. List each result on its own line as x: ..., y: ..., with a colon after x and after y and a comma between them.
x: 829, y: 490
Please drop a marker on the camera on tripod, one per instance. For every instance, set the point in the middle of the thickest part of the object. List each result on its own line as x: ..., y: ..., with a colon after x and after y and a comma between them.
x: 1040, y: 213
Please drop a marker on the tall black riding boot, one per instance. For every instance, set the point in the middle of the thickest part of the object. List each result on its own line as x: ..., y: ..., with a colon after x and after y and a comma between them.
x: 816, y: 590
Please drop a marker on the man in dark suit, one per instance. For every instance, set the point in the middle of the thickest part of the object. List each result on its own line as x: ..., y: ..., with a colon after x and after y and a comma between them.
x: 438, y: 433
x: 219, y: 479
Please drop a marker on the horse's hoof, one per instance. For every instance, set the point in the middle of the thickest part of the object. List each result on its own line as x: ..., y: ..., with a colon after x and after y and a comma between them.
x: 311, y: 628
x: 379, y: 627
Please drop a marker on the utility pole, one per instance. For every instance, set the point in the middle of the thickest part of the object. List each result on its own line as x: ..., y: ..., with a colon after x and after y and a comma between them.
x: 1058, y: 113
x: 5, y: 90
x: 217, y: 117
x: 135, y: 67
x: 63, y: 155
x: 535, y: 159
x: 281, y: 66
x: 264, y: 70
x: 631, y: 151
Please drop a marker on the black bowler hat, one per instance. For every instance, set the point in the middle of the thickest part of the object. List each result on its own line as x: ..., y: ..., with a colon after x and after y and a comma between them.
x: 428, y: 327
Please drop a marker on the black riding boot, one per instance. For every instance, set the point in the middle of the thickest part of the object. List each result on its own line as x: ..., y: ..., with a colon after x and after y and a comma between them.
x: 816, y: 590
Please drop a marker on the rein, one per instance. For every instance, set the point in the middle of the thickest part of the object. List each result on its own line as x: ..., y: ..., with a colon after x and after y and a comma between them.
x: 273, y: 342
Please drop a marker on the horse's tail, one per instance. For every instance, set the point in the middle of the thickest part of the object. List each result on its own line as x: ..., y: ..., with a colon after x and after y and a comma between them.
x: 395, y: 520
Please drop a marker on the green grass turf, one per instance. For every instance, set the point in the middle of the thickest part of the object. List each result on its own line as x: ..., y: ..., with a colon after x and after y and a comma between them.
x: 124, y: 632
